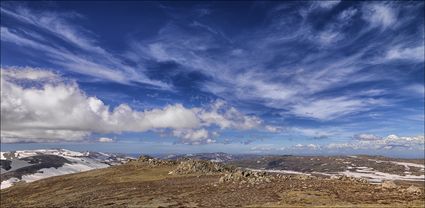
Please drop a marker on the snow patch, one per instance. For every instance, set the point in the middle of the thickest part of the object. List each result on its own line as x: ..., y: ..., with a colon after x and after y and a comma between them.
x: 65, y: 169
x: 406, y: 164
x: 8, y: 183
x: 280, y: 171
x: 378, y: 177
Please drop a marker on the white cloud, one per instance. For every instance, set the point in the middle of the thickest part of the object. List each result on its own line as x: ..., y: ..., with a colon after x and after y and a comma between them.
x: 40, y: 135
x: 381, y: 143
x: 306, y: 146
x: 389, y: 142
x: 327, y: 37
x: 335, y: 31
x: 414, y: 53
x: 66, y: 59
x: 59, y: 110
x: 347, y: 14
x: 105, y: 140
x: 327, y: 4
x: 327, y: 109
x: 379, y: 15
x: 220, y: 114
x: 367, y: 137
x: 420, y: 139
x: 192, y: 136
x: 89, y: 55
x: 253, y: 78
x: 418, y: 89
x: 224, y: 116
x: 247, y: 75
x: 29, y: 73
x: 274, y: 129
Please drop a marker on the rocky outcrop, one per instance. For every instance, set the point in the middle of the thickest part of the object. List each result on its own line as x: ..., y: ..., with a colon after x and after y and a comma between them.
x: 191, y: 166
x: 231, y: 174
x: 153, y: 162
x: 246, y: 176
x: 413, y: 190
x: 389, y: 185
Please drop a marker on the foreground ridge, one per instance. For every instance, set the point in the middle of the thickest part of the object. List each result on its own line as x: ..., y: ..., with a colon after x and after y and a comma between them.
x: 152, y: 182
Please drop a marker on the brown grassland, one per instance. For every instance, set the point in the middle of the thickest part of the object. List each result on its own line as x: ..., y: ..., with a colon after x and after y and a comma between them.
x: 135, y: 185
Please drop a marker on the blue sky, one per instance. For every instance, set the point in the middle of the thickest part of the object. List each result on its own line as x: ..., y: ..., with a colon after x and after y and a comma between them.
x: 324, y: 77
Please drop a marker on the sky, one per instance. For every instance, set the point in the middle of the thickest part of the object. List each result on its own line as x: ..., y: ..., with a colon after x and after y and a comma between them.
x: 313, y: 77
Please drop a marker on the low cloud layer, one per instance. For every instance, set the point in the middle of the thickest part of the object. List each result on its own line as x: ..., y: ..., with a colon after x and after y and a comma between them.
x: 360, y: 142
x: 366, y: 137
x: 40, y: 106
x: 369, y: 141
x: 105, y: 140
x: 373, y: 142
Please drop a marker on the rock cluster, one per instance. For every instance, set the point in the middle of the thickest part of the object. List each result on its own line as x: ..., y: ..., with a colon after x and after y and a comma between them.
x: 389, y: 185
x: 144, y: 158
x: 348, y: 178
x: 200, y: 166
x: 413, y: 190
x: 153, y: 162
x: 246, y: 176
x: 231, y: 174
x: 303, y: 177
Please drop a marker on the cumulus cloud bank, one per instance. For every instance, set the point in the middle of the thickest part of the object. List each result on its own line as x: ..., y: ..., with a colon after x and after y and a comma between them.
x: 54, y: 109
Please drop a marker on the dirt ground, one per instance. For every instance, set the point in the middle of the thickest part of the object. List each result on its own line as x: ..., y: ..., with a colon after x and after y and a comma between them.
x: 131, y: 185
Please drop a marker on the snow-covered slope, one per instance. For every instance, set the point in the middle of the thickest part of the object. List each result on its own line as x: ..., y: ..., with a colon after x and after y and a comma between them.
x: 32, y: 165
x: 29, y: 153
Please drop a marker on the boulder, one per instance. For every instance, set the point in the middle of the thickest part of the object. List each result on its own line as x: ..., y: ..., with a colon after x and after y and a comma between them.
x: 389, y: 185
x: 413, y: 190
